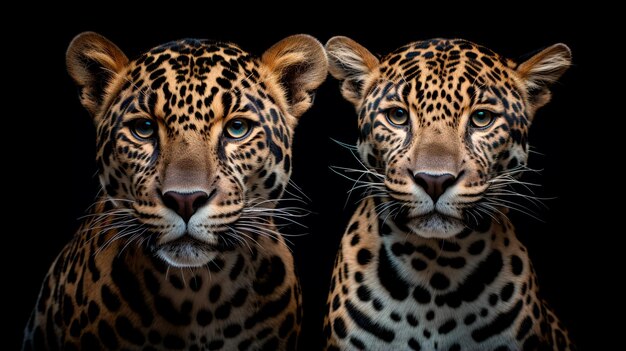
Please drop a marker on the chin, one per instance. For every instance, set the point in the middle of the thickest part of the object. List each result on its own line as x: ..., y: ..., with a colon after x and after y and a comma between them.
x: 436, y: 226
x: 186, y: 255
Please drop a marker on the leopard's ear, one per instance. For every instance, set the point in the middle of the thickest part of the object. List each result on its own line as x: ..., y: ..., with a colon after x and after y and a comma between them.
x: 93, y: 62
x: 300, y: 66
x: 541, y: 71
x: 352, y: 64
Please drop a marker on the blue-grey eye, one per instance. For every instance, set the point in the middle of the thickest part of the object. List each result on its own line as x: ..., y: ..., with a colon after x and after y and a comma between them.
x: 143, y: 128
x: 398, y: 116
x: 481, y: 118
x: 237, y: 128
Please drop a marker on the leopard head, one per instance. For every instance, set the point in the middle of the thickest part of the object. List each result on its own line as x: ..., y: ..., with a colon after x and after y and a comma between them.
x: 194, y: 136
x: 443, y: 124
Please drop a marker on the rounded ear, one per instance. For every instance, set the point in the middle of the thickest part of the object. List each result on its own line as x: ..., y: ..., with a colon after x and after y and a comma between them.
x: 92, y: 62
x: 350, y: 63
x: 541, y: 71
x: 300, y: 66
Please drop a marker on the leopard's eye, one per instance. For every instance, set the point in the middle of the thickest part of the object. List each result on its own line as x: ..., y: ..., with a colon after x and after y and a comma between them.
x: 237, y: 128
x: 398, y: 116
x: 482, y: 118
x: 143, y: 128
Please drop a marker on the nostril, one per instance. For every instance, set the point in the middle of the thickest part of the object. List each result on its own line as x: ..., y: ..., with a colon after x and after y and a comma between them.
x: 434, y: 184
x: 200, y: 201
x: 185, y: 204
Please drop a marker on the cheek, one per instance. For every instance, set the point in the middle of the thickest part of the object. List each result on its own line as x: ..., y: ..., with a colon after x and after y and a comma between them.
x: 131, y: 166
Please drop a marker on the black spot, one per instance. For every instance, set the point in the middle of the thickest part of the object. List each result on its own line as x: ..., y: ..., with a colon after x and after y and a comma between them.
x: 169, y: 312
x: 363, y: 292
x: 270, y: 181
x: 131, y: 290
x: 286, y: 326
x: 364, y: 321
x: 215, y: 344
x: 239, y: 298
x: 270, y: 345
x: 498, y: 324
x: 476, y: 247
x: 426, y: 251
x: 414, y: 344
x: 430, y: 315
x: 454, y: 347
x: 107, y: 335
x: 389, y: 278
x: 154, y: 337
x: 412, y: 320
x: 204, y: 317
x: 418, y: 264
x: 357, y: 343
x: 151, y: 282
x: 524, y: 328
x: 223, y: 311
x: 232, y: 331
x: 439, y: 281
x: 263, y: 333
x: 127, y: 331
x: 195, y: 283
x: 237, y: 267
x: 68, y: 309
x: 171, y: 341
x: 493, y: 299
x: 270, y: 275
x: 110, y: 299
x: 355, y: 240
x: 93, y: 311
x: 88, y: 341
x: 469, y: 290
x: 531, y: 343
x: 269, y: 310
x: 215, y: 293
x: 447, y: 327
x: 454, y: 262
x: 339, y: 326
x: 353, y: 226
x: 245, y: 344
x: 507, y: 291
x: 421, y: 295
x: 516, y: 265
x: 364, y: 256
x: 176, y: 282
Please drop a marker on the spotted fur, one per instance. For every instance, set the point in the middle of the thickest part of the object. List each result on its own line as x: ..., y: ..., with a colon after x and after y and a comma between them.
x: 194, y: 150
x: 429, y: 260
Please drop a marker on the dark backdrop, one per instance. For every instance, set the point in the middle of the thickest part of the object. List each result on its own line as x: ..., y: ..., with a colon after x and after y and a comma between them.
x: 565, y: 246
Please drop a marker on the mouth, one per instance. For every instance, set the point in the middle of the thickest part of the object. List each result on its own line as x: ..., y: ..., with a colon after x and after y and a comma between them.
x: 435, y: 225
x: 187, y: 251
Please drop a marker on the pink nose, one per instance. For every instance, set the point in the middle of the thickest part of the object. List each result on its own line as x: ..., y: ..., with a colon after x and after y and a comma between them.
x: 434, y: 185
x: 185, y: 204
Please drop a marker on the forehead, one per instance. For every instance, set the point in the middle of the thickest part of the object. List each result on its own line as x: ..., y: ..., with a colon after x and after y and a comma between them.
x: 191, y: 78
x: 445, y: 60
x: 191, y: 58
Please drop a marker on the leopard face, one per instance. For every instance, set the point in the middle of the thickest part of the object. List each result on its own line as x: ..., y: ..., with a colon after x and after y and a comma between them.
x: 194, y: 137
x: 443, y: 125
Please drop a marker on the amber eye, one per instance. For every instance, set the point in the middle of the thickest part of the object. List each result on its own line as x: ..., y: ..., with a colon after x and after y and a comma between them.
x: 237, y: 128
x: 143, y: 128
x: 398, y: 116
x: 481, y: 118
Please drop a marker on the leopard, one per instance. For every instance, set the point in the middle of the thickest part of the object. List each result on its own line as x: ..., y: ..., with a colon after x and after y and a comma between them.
x: 430, y: 259
x: 181, y: 249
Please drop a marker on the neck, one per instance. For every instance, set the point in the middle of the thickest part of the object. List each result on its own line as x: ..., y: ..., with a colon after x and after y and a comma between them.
x: 450, y: 271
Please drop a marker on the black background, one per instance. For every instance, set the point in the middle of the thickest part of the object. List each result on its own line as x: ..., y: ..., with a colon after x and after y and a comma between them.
x: 569, y: 247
